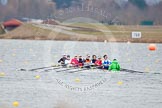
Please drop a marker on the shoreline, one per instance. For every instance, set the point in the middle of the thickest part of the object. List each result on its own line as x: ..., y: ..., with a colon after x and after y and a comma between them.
x: 31, y: 31
x: 128, y: 42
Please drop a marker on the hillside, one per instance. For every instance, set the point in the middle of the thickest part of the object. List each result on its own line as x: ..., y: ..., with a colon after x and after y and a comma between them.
x: 130, y: 12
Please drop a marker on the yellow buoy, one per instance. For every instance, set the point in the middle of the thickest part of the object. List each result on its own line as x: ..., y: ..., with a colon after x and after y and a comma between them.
x: 26, y: 62
x: 30, y: 50
x: 147, y: 69
x: 77, y: 80
x: 1, y: 61
x: 52, y: 64
x: 157, y: 61
x: 13, y: 55
x: 37, y: 77
x: 120, y: 83
x: 129, y: 60
x: 15, y: 104
x: 2, y: 74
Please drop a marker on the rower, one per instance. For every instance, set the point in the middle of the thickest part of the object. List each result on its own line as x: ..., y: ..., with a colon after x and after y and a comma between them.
x: 62, y: 60
x: 80, y: 61
x: 94, y: 59
x: 106, y: 62
x: 67, y: 61
x: 74, y: 61
x: 98, y: 63
x: 114, y: 66
x: 87, y: 61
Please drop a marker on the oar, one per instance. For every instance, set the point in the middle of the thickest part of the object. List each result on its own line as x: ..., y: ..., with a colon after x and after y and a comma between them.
x: 41, y: 68
x: 47, y: 67
x: 134, y: 71
x: 55, y: 68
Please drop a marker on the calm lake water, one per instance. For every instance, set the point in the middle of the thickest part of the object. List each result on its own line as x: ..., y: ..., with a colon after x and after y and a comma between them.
x: 80, y: 89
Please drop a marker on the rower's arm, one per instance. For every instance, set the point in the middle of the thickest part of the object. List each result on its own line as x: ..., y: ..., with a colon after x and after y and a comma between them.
x: 60, y: 60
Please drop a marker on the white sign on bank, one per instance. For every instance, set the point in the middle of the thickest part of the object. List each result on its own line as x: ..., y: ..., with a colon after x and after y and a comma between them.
x: 136, y: 34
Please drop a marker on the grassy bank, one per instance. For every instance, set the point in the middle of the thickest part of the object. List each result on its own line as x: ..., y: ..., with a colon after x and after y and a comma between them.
x: 88, y: 32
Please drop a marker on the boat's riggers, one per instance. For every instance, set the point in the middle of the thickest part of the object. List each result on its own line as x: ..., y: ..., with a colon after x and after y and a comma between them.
x: 132, y: 71
x: 82, y: 69
x: 61, y: 66
x: 75, y: 67
x: 68, y: 68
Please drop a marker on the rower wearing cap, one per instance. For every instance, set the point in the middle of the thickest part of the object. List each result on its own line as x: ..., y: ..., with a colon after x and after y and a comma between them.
x: 115, y: 66
x: 62, y: 60
x: 74, y: 61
